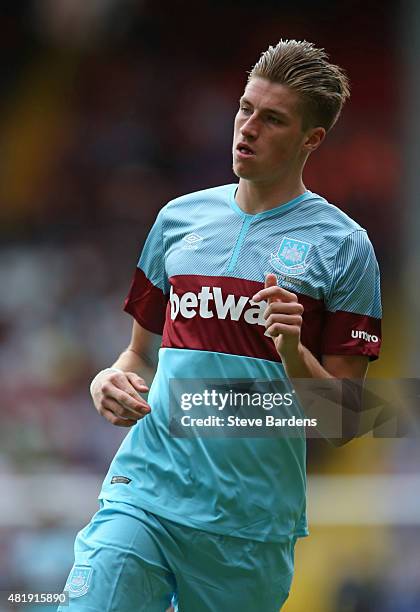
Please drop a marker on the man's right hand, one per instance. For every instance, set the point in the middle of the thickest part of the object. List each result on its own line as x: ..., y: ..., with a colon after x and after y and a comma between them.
x: 116, y: 397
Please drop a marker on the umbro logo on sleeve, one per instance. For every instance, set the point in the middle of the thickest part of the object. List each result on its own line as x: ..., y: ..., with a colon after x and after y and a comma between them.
x: 359, y: 334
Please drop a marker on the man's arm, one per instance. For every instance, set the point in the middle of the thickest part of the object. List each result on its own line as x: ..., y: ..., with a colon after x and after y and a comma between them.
x: 115, y: 394
x: 283, y: 317
x: 303, y: 364
x: 136, y: 358
x: 283, y: 321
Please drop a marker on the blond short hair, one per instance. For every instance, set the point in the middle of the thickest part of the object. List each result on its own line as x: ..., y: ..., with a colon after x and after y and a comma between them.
x: 322, y: 87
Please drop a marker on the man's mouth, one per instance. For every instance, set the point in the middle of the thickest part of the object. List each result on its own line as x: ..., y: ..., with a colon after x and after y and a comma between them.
x: 245, y: 150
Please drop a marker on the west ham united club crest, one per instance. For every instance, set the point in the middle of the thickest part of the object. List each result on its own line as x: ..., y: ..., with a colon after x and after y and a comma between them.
x: 79, y: 580
x: 291, y: 258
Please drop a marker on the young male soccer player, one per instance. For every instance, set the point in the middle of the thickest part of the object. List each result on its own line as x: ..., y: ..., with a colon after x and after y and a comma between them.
x: 258, y: 280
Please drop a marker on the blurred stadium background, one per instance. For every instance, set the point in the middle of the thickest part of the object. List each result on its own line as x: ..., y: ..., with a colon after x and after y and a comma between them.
x: 108, y: 109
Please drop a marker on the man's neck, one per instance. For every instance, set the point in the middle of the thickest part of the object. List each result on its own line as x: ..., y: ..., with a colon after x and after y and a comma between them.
x: 254, y: 198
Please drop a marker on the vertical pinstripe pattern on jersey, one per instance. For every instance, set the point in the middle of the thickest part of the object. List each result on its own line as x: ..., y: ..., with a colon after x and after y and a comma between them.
x: 152, y: 257
x: 235, y: 255
x: 355, y: 284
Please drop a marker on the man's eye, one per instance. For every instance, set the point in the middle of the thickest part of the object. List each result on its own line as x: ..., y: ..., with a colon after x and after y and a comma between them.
x: 245, y: 109
x: 273, y: 119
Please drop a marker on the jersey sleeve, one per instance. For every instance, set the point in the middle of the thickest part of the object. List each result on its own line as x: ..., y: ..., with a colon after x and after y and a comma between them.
x: 149, y: 291
x: 353, y: 304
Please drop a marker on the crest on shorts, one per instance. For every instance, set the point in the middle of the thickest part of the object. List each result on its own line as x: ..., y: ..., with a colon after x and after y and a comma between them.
x: 79, y: 580
x: 291, y: 257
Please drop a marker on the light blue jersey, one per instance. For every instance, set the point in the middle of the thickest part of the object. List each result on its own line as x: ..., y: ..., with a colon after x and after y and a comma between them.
x: 203, y: 261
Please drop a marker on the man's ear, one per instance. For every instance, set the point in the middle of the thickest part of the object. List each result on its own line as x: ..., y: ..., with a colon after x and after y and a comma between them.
x: 313, y: 139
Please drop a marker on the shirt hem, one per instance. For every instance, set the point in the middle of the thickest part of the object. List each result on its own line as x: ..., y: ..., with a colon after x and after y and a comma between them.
x: 170, y: 516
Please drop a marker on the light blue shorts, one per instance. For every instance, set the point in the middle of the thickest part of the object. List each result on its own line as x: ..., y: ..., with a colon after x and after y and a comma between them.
x: 129, y: 560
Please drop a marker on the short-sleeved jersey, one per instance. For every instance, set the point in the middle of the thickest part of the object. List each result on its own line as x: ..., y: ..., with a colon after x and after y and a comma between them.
x: 202, y: 262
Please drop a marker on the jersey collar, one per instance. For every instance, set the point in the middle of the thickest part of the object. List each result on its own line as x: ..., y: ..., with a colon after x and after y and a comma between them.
x: 277, y: 210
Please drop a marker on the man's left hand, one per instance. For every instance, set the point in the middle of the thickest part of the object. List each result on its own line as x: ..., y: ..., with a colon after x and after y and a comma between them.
x: 283, y: 316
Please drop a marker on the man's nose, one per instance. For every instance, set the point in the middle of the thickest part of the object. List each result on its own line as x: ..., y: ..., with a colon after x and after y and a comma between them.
x: 250, y: 128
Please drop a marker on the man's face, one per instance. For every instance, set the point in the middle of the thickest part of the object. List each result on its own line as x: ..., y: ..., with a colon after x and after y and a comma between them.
x: 268, y: 140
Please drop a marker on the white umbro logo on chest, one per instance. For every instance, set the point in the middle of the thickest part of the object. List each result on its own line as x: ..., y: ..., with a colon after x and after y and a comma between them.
x: 192, y: 241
